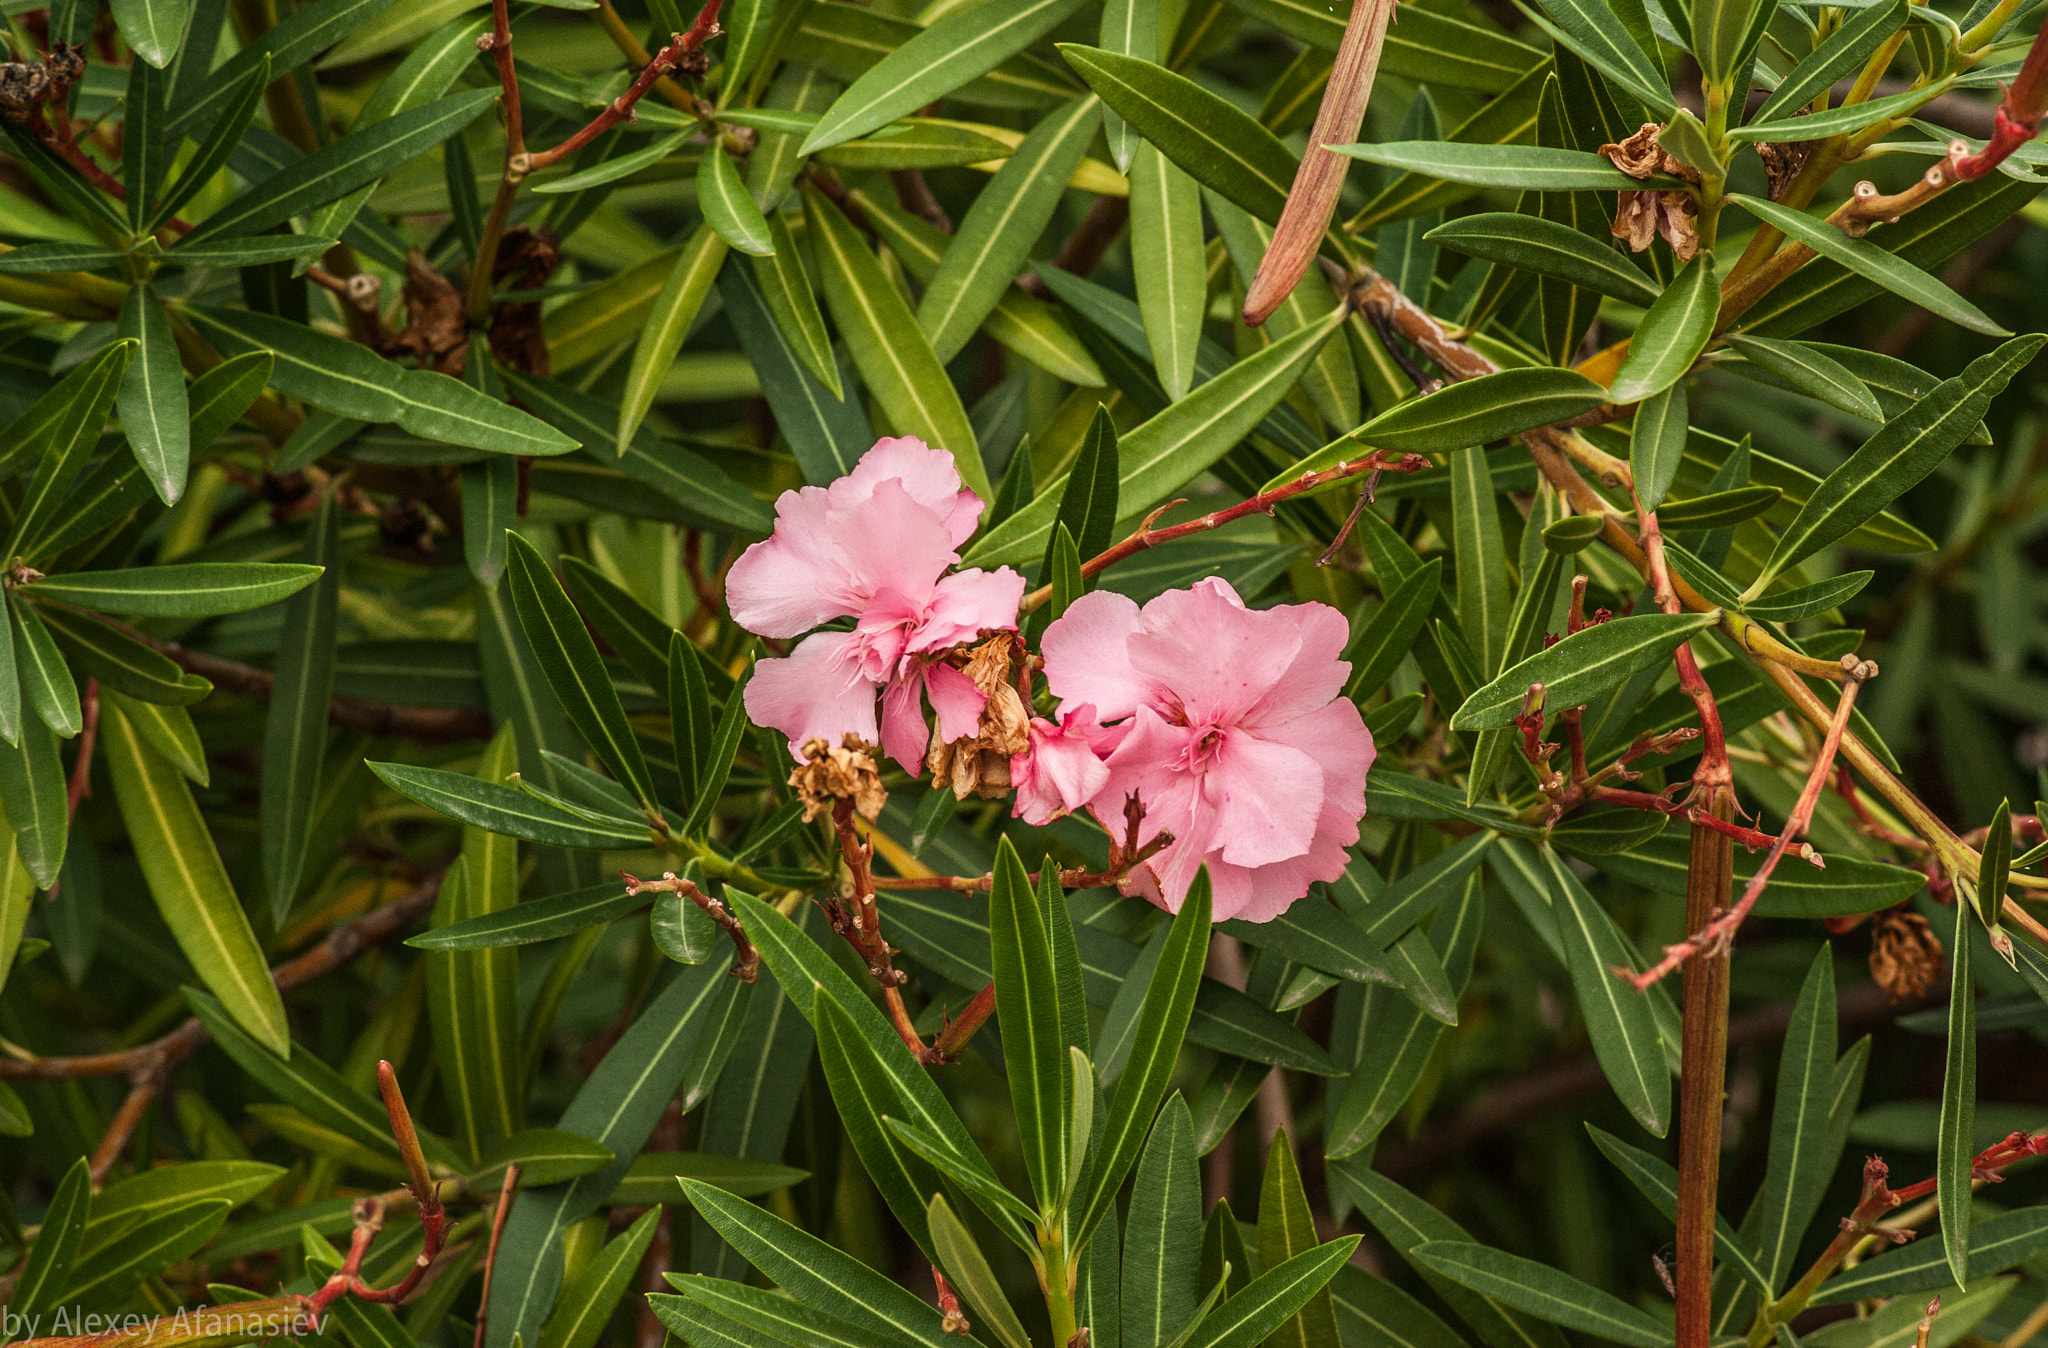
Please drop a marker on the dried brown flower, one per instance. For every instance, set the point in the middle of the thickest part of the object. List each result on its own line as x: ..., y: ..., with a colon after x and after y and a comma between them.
x: 1640, y: 216
x: 527, y: 258
x: 1905, y: 956
x: 436, y: 330
x: 1782, y: 161
x: 980, y: 765
x: 26, y: 86
x: 830, y: 774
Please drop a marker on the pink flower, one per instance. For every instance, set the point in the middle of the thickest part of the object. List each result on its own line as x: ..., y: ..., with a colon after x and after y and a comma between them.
x: 1233, y: 732
x: 1062, y: 770
x: 876, y: 547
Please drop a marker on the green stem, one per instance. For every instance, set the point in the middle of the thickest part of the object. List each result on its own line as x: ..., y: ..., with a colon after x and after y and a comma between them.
x: 1057, y: 1278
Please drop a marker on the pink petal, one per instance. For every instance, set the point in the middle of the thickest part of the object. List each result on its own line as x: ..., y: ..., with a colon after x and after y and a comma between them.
x: 904, y: 732
x: 1316, y: 674
x: 966, y: 604
x: 814, y: 692
x: 1267, y: 797
x: 798, y: 577
x: 892, y: 542
x: 1219, y: 658
x: 1087, y: 656
x: 957, y: 701
x: 928, y: 475
x: 1059, y: 773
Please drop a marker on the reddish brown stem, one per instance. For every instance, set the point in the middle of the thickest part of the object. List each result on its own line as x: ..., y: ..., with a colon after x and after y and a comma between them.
x: 505, y: 1192
x: 1379, y: 461
x: 747, y: 960
x: 620, y: 109
x: 80, y: 786
x: 1703, y: 1059
x: 959, y: 1029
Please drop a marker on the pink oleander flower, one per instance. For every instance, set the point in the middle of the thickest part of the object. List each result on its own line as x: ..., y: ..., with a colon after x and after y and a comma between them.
x: 1232, y: 730
x: 875, y: 546
x: 1062, y: 770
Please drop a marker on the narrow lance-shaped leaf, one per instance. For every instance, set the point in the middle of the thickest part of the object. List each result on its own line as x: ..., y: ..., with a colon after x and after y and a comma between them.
x: 895, y: 359
x: 1905, y: 449
x: 977, y: 1281
x: 60, y: 430
x: 1547, y: 1293
x: 1671, y: 335
x: 668, y: 323
x: 46, y: 1271
x: 1129, y: 28
x: 785, y: 287
x: 1582, y: 666
x: 1547, y: 248
x: 1618, y: 1018
x: 1956, y: 1147
x: 1656, y: 445
x: 569, y: 658
x: 1479, y: 411
x: 188, y: 882
x: 295, y: 728
x: 32, y: 786
x: 727, y: 207
x: 44, y: 677
x: 1166, y: 257
x: 490, y: 495
x: 1163, y: 1234
x: 1027, y: 1004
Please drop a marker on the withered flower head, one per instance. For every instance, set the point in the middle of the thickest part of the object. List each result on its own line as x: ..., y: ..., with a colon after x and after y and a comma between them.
x: 830, y: 774
x: 1640, y: 216
x: 980, y: 765
x: 1905, y: 956
x: 1782, y: 161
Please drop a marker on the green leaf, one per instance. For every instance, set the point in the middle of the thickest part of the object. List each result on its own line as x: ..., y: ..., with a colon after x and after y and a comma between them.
x: 1372, y: 1310
x: 348, y: 379
x: 1573, y: 534
x: 621, y: 166
x: 175, y: 590
x: 1167, y: 264
x: 112, y: 1272
x: 1384, y: 641
x: 1161, y: 1024
x: 1592, y: 31
x: 667, y: 324
x: 1672, y: 334
x: 1800, y: 1158
x: 1618, y: 1018
x: 1173, y: 447
x: 490, y: 495
x: 1547, y: 248
x: 1656, y: 443
x: 1902, y: 452
x: 1593, y: 660
x: 727, y: 207
x: 1807, y: 369
x: 785, y: 289
x: 781, y: 1319
x: 1264, y: 1304
x: 1845, y: 119
x: 1211, y: 139
x: 1994, y: 866
x: 46, y: 1272
x: 295, y: 726
x: 617, y: 1106
x: 995, y: 238
x: 122, y: 662
x: 1657, y: 1180
x: 1287, y: 1230
x: 534, y: 920
x: 817, y: 1274
x: 1407, y: 1222
x: 32, y: 787
x: 188, y: 882
x: 895, y: 360
x: 153, y: 29
x: 248, y: 252
x: 1956, y: 1149
x: 335, y: 170
x: 1868, y: 260
x: 1442, y: 50
x: 1027, y: 1002
x: 500, y: 809
x: 58, y: 433
x: 935, y: 62
x: 152, y: 401
x: 1024, y: 323
x: 574, y: 669
x: 544, y: 1155
x: 1483, y: 600
x: 1997, y: 1243
x: 1479, y: 411
x: 238, y: 94
x: 1527, y: 167
x: 713, y: 769
x: 1807, y: 600
x: 1163, y: 1233
x: 971, y: 1273
x: 681, y: 930
x: 44, y: 676
x: 1848, y: 886
x: 587, y: 1302
x: 1849, y: 46
x: 1542, y: 1291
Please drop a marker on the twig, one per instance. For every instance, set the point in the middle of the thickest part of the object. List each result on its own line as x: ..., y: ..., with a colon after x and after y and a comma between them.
x: 1378, y: 461
x: 505, y: 1192
x: 1717, y: 934
x: 861, y: 923
x: 914, y: 194
x: 747, y: 960
x: 80, y: 786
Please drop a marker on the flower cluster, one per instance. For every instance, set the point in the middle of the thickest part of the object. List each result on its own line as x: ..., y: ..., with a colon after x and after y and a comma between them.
x: 1227, y: 725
